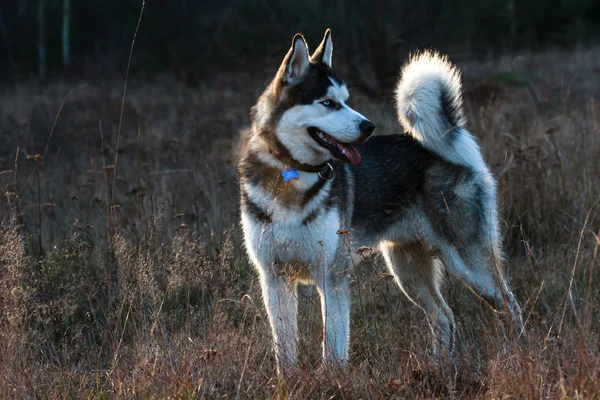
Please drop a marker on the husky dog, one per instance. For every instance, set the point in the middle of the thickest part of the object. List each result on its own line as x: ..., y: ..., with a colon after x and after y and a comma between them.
x: 310, y: 183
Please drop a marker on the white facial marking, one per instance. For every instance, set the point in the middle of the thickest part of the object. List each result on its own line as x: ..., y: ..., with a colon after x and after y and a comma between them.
x: 342, y: 123
x: 337, y: 92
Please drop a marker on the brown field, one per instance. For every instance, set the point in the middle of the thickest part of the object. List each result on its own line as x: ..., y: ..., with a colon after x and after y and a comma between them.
x: 159, y: 300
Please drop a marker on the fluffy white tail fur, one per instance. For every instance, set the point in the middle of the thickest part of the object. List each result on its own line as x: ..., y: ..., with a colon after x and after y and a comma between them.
x: 429, y: 107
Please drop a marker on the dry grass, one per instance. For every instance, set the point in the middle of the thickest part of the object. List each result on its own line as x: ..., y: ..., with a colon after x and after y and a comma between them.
x: 159, y: 300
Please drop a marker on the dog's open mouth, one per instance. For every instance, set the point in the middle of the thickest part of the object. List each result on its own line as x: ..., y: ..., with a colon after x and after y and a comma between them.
x: 342, y: 151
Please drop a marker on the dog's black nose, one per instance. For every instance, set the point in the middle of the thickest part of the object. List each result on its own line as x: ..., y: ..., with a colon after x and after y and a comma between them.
x: 366, y: 127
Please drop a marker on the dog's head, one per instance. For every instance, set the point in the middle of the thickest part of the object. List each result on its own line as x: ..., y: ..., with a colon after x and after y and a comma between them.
x: 304, y: 113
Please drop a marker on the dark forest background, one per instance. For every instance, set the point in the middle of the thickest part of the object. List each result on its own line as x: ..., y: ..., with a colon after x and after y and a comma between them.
x: 197, y: 37
x: 122, y: 269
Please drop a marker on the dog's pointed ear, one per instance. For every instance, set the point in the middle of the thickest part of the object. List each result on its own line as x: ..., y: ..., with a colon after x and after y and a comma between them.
x: 324, y: 52
x: 296, y: 62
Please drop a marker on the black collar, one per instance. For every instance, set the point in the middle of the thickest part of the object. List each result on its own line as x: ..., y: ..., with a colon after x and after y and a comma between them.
x: 325, y: 170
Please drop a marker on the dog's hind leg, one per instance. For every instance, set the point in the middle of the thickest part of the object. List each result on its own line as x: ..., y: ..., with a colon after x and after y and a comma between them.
x: 480, y: 270
x: 281, y: 302
x: 334, y: 288
x: 419, y: 276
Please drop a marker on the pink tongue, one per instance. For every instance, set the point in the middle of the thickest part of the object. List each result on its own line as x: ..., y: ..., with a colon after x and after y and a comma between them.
x: 350, y: 152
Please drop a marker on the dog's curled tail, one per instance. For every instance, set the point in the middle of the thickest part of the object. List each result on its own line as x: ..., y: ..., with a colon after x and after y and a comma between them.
x: 429, y: 107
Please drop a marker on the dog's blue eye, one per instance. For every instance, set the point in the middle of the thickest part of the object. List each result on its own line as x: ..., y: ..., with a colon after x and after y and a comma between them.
x: 328, y: 103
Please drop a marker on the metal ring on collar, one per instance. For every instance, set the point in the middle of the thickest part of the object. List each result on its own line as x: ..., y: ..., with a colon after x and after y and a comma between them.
x: 329, y: 174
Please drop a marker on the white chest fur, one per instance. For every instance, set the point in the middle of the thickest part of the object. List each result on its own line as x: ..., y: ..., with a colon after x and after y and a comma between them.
x: 289, y: 237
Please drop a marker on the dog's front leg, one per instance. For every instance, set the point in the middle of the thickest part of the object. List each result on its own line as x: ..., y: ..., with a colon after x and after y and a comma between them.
x: 281, y: 301
x: 334, y: 289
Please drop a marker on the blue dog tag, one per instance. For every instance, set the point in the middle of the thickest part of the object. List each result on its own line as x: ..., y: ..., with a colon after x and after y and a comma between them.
x: 290, y: 174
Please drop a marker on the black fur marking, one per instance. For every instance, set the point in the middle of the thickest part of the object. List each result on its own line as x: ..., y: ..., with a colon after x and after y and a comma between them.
x: 311, y: 216
x: 406, y: 174
x: 340, y: 190
x: 257, y: 213
x: 315, y: 84
x: 453, y: 114
x: 312, y: 192
x: 396, y: 166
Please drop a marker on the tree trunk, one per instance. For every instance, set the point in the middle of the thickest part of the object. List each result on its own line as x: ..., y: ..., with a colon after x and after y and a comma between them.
x: 6, y: 41
x: 41, y: 20
x: 66, y: 33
